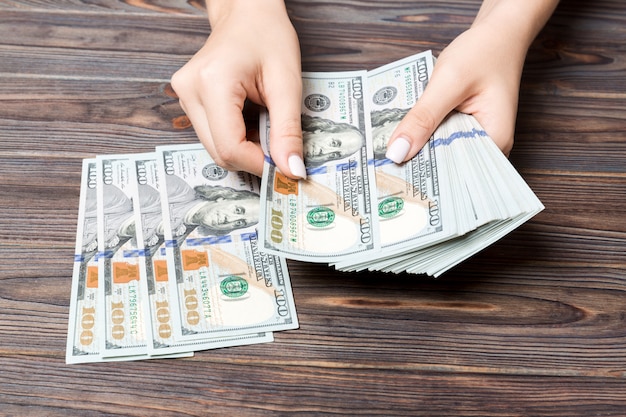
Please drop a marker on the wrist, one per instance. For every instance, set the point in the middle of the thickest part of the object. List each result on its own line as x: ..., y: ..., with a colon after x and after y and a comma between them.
x: 516, y: 21
x: 219, y: 10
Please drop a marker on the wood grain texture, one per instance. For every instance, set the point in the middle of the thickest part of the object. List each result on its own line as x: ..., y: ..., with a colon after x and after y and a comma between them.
x: 534, y: 325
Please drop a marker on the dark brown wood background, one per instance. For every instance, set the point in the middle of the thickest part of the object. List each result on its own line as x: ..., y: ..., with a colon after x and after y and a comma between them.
x: 534, y: 325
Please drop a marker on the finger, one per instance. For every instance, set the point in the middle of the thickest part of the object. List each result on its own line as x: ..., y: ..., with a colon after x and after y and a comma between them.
x: 439, y: 98
x: 192, y: 106
x: 283, y: 102
x: 499, y: 126
x: 228, y: 133
x: 197, y: 116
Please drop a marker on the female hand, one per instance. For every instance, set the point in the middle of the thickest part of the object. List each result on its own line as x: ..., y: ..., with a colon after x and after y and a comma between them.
x: 478, y: 73
x: 252, y: 53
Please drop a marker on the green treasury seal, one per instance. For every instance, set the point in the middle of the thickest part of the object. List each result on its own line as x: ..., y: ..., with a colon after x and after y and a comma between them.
x: 234, y: 286
x: 320, y: 217
x: 390, y: 207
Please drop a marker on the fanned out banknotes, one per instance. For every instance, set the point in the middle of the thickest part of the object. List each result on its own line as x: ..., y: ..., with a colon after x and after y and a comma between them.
x: 168, y: 262
x: 358, y: 210
x: 175, y: 254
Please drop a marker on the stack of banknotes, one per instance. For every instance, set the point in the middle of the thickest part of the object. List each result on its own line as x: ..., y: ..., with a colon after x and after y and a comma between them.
x: 174, y: 254
x: 358, y: 210
x: 168, y: 261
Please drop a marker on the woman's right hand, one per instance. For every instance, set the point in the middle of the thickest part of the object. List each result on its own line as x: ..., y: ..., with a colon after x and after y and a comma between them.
x: 252, y: 53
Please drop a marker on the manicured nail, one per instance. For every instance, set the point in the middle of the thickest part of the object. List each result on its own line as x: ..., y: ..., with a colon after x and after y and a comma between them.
x: 296, y: 166
x: 398, y: 150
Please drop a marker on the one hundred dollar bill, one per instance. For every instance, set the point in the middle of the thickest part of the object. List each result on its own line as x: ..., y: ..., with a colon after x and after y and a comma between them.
x: 155, y: 285
x: 330, y: 216
x: 413, y: 203
x: 83, y: 330
x: 121, y: 316
x: 223, y: 284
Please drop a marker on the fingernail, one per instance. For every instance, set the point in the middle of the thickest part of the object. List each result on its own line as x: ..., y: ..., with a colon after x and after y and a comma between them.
x: 296, y: 166
x: 398, y: 150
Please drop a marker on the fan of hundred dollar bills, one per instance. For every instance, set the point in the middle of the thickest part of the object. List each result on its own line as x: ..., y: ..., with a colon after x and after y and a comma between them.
x: 175, y: 254
x: 358, y: 210
x: 167, y: 260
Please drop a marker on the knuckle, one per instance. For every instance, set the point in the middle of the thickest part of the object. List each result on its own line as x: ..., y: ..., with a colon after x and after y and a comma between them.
x: 422, y: 119
x: 222, y: 163
x: 178, y: 81
x: 225, y: 158
x: 288, y: 131
x: 206, y: 75
x: 190, y: 78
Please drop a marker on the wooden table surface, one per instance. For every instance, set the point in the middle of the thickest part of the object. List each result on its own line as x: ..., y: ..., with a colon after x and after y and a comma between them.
x: 534, y: 325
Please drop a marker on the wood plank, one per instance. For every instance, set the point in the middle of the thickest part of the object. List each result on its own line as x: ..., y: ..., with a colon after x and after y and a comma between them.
x: 91, y: 46
x: 195, y: 7
x: 63, y: 63
x: 148, y: 106
x: 88, y: 32
x: 194, y: 386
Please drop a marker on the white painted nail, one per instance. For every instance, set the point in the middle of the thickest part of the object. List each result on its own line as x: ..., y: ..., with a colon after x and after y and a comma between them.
x: 296, y: 166
x: 398, y: 150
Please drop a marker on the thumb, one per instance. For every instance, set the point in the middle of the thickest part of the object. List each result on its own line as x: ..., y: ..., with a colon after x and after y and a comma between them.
x: 418, y: 125
x: 286, y: 131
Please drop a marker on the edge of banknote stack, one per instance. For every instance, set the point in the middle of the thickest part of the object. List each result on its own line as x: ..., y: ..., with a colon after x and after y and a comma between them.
x: 358, y: 210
